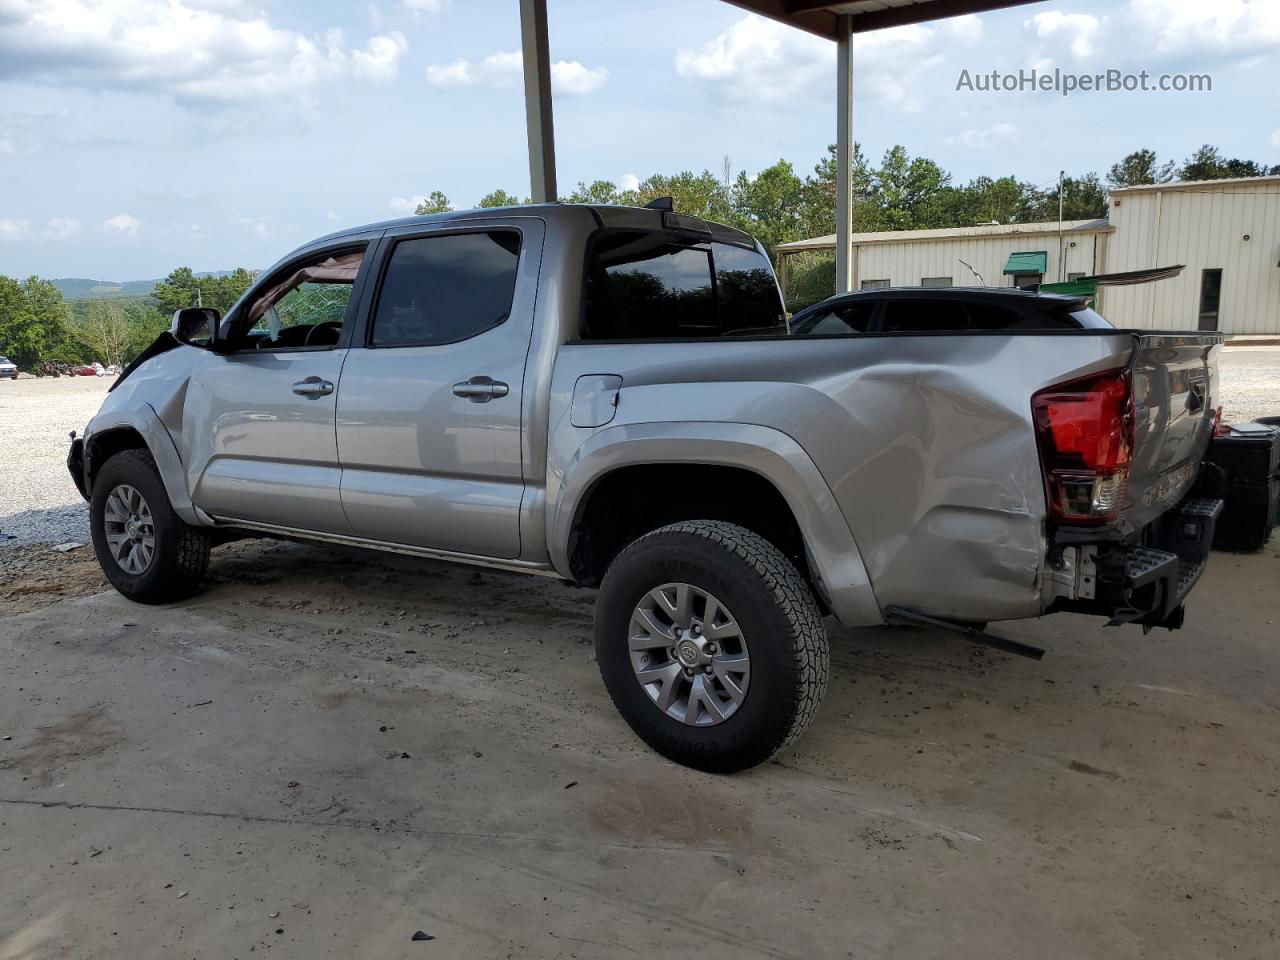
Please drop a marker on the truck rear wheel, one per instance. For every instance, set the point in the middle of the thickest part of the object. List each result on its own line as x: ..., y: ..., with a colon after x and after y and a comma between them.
x: 711, y: 645
x: 145, y: 549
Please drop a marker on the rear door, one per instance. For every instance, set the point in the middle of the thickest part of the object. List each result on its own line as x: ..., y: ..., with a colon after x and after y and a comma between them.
x: 428, y: 413
x: 1175, y: 395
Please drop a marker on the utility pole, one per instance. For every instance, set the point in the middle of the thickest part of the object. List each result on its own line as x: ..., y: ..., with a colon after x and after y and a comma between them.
x: 1062, y: 254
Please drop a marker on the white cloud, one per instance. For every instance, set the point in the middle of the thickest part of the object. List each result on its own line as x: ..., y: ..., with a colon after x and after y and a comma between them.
x: 1275, y: 139
x: 380, y: 59
x: 966, y: 29
x: 1078, y: 30
x: 504, y: 69
x: 981, y: 137
x: 256, y: 224
x: 1194, y: 26
x: 330, y: 216
x: 406, y: 205
x: 425, y: 6
x: 629, y: 181
x: 757, y: 59
x: 193, y: 50
x: 572, y: 78
x: 62, y: 228
x: 123, y: 224
x: 12, y: 229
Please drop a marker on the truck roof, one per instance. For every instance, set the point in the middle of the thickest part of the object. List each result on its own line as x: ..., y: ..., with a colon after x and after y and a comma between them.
x: 606, y: 215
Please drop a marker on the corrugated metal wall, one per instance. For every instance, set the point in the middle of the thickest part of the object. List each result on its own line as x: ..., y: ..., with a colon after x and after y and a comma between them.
x: 906, y: 264
x: 1205, y: 229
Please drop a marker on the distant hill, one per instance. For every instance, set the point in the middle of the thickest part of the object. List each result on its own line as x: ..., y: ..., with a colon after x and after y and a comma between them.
x: 80, y: 288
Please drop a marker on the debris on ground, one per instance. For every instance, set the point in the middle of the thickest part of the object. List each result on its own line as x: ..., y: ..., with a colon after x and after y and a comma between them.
x: 420, y: 935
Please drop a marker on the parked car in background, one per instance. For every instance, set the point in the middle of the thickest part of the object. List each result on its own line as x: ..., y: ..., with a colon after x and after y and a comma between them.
x: 8, y: 369
x: 944, y: 310
x: 612, y: 396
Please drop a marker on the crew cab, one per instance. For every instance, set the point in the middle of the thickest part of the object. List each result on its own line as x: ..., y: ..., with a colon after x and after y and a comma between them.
x: 615, y: 396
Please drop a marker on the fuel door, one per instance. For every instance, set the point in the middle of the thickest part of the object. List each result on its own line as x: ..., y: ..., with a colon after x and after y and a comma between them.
x: 595, y: 399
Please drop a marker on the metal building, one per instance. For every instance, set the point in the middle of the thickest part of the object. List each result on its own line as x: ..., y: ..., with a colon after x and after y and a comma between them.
x: 1225, y: 233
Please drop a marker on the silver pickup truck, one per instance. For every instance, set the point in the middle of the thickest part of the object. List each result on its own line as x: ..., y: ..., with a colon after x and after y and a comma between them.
x: 614, y: 396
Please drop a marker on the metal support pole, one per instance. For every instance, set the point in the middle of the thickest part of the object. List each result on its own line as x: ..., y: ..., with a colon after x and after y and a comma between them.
x: 537, y: 100
x: 844, y: 153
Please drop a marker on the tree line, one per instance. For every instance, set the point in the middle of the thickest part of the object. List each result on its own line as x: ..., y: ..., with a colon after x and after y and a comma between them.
x: 38, y: 327
x: 776, y: 205
x: 902, y: 192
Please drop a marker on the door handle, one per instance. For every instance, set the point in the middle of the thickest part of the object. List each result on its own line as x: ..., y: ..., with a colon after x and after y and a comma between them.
x: 313, y: 387
x: 480, y: 389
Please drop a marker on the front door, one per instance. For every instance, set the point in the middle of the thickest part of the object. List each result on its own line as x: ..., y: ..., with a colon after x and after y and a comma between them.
x: 259, y: 422
x: 429, y: 408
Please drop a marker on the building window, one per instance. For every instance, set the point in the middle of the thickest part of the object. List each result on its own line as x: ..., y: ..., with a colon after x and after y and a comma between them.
x: 1210, y: 297
x: 936, y: 282
x: 1073, y: 277
x: 1025, y: 281
x: 874, y: 284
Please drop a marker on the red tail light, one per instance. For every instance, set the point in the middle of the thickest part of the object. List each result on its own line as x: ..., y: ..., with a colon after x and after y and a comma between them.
x: 1085, y: 429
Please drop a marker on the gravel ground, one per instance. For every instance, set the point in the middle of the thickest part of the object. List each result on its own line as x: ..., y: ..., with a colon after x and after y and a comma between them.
x: 38, y: 503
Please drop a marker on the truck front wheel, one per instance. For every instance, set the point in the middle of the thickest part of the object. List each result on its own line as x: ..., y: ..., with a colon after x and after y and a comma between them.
x: 711, y: 644
x: 146, y: 550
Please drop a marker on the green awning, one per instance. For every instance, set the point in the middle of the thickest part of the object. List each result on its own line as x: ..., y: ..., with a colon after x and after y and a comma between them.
x: 1036, y: 262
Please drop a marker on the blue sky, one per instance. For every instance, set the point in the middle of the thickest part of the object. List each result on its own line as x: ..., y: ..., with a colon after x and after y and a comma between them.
x: 139, y: 135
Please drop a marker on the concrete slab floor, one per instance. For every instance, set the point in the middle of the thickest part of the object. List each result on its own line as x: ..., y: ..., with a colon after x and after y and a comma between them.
x: 328, y: 751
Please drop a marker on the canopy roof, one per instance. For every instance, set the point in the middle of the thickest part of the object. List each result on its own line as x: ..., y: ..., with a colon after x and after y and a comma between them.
x: 1027, y: 262
x: 819, y: 16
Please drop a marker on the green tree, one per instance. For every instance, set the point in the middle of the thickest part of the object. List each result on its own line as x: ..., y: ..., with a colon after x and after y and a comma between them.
x: 819, y: 196
x: 106, y: 332
x: 1208, y: 163
x: 500, y: 198
x: 697, y: 194
x: 183, y: 288
x: 597, y: 192
x: 1140, y: 167
x: 33, y: 321
x: 912, y: 191
x: 770, y: 206
x: 436, y: 203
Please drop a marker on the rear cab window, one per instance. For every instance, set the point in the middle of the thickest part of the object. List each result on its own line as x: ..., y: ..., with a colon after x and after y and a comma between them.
x: 446, y: 288
x: 652, y: 285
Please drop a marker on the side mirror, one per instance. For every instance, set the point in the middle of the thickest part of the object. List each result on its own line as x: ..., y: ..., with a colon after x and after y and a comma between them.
x: 195, y: 326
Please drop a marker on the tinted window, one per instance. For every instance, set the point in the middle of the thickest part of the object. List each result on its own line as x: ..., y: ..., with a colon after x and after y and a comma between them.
x: 652, y: 285
x: 448, y: 288
x: 922, y: 316
x: 990, y: 316
x: 1090, y: 319
x: 842, y: 318
x: 747, y: 291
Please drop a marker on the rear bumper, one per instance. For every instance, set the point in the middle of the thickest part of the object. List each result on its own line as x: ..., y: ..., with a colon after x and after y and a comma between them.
x: 1146, y: 580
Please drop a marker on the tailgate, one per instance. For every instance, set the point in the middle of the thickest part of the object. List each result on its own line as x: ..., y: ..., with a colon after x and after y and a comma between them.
x: 1175, y: 396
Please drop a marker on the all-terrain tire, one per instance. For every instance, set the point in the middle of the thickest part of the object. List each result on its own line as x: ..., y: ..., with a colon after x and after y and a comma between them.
x: 181, y: 552
x: 780, y: 623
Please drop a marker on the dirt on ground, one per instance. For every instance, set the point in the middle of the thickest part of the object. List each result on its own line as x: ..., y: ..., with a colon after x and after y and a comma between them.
x: 328, y: 751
